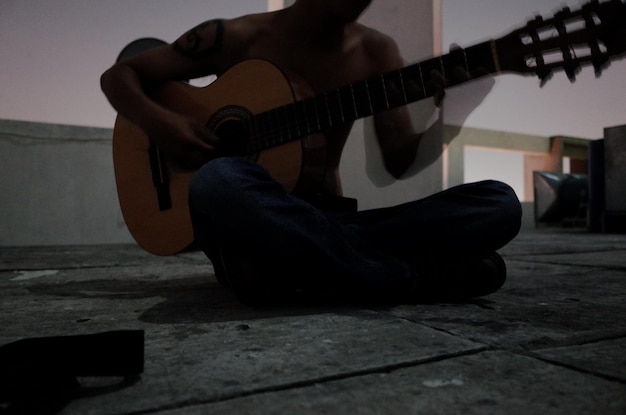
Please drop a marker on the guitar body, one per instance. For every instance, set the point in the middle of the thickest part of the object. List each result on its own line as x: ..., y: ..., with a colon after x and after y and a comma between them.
x: 250, y: 87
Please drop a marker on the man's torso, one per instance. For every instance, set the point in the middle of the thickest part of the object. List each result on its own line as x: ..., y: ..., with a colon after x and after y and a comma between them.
x: 315, y: 69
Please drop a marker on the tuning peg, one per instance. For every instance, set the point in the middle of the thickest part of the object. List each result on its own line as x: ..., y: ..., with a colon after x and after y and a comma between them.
x: 599, y: 64
x: 572, y: 69
x: 564, y: 12
x: 536, y: 21
x: 544, y: 76
x: 571, y: 74
x: 591, y: 4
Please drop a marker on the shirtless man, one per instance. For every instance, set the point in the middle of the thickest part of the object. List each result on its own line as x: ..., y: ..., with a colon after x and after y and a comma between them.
x: 270, y: 241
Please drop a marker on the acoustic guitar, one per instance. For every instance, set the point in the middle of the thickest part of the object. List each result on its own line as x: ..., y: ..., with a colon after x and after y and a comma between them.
x: 254, y: 110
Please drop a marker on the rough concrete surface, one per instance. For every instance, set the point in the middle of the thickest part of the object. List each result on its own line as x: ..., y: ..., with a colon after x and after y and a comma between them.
x: 552, y: 341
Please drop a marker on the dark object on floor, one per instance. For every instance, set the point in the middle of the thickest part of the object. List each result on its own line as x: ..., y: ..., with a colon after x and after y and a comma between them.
x: 38, y: 375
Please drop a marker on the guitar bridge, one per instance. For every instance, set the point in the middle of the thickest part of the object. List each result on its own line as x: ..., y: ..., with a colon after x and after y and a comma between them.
x: 160, y: 178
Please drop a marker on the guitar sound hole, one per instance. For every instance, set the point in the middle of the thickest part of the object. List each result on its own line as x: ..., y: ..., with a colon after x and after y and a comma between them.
x: 232, y: 125
x: 233, y: 136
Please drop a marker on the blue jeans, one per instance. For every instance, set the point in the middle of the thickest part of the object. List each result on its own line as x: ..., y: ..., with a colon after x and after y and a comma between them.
x: 235, y: 203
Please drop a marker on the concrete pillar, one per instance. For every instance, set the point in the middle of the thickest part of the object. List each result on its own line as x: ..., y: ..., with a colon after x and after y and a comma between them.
x: 615, y: 179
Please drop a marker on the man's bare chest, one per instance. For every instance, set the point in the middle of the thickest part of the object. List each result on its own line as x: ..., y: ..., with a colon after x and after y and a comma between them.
x: 317, y: 70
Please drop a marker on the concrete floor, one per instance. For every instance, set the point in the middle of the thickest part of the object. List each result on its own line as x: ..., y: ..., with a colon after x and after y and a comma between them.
x: 552, y: 341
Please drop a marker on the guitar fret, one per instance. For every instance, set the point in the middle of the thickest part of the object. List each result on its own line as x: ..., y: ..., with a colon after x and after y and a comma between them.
x: 335, y: 109
x: 467, y: 68
x: 356, y: 109
x: 281, y: 134
x: 306, y: 119
x: 382, y: 92
x: 361, y: 97
x: 300, y: 120
x: 422, y: 79
x: 269, y: 129
x: 330, y: 120
x: 431, y: 86
x: 406, y: 101
x: 369, y: 97
x: 481, y: 56
x: 274, y: 128
x: 293, y: 127
x: 412, y: 81
x: 382, y: 81
x: 277, y: 137
x: 343, y: 119
x: 494, y: 53
x: 286, y: 122
x: 297, y: 105
x: 443, y: 68
x: 317, y: 115
x: 310, y: 114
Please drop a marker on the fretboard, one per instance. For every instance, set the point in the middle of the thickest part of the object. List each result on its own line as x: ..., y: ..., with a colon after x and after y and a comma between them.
x: 365, y: 98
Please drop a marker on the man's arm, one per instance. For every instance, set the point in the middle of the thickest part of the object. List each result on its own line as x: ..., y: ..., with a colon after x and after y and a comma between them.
x: 126, y: 85
x: 397, y: 139
x: 395, y: 132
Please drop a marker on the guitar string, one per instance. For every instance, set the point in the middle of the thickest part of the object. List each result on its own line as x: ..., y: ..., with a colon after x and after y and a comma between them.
x: 299, y: 124
x: 280, y: 132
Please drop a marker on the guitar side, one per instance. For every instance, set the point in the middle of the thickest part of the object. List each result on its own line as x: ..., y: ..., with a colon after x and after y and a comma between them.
x: 254, y: 85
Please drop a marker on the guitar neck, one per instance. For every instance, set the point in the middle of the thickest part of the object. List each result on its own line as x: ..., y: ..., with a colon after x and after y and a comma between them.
x: 365, y: 98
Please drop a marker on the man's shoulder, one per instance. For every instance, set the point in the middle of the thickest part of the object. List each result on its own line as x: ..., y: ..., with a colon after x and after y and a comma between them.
x: 243, y: 32
x: 248, y: 25
x: 374, y: 38
x: 378, y: 46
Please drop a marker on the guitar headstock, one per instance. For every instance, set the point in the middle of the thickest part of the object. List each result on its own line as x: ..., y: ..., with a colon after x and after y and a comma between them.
x: 591, y: 35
